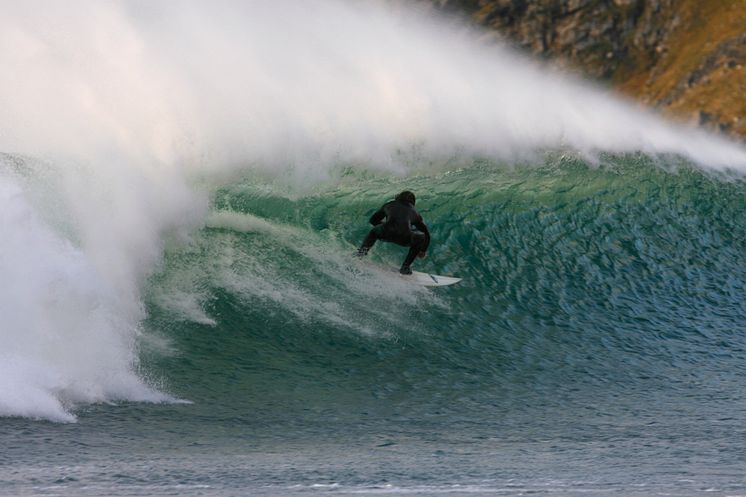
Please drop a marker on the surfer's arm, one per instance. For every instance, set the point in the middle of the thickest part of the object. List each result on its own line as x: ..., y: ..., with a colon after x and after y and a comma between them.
x: 377, y: 218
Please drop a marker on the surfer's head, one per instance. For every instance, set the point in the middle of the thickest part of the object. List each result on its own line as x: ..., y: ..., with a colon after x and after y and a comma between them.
x: 406, y: 196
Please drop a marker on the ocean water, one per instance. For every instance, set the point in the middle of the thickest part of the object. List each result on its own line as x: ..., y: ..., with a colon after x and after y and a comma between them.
x: 182, y: 313
x: 595, y: 346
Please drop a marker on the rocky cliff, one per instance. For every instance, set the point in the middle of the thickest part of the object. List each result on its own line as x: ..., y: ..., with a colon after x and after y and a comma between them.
x: 685, y: 57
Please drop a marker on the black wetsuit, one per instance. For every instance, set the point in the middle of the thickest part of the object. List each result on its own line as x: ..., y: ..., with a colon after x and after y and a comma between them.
x: 400, y: 217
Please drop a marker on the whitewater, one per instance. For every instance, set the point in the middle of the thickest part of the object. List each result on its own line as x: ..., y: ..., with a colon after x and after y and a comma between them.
x: 182, y: 185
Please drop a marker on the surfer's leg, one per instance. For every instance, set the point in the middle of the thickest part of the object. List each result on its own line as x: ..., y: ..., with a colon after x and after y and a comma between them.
x: 416, y: 245
x: 373, y: 235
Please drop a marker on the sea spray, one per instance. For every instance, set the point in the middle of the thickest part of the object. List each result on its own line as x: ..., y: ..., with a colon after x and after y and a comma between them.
x: 303, y: 83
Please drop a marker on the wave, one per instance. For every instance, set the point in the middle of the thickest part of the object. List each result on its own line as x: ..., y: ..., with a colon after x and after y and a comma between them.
x: 120, y: 124
x: 608, y: 280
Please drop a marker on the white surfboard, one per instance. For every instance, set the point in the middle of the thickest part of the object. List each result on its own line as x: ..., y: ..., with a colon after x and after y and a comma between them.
x: 427, y: 279
x: 416, y: 278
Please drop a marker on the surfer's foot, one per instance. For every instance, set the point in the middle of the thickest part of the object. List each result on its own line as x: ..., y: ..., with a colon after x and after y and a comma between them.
x: 405, y: 270
x: 362, y: 252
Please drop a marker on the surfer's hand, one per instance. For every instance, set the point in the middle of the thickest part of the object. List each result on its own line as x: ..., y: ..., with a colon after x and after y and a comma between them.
x: 422, y: 254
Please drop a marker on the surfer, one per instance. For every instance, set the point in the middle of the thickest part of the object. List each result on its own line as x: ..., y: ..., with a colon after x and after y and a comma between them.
x: 400, y: 216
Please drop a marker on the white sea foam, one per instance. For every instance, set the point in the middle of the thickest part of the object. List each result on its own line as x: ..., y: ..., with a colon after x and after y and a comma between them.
x: 65, y: 337
x: 129, y: 104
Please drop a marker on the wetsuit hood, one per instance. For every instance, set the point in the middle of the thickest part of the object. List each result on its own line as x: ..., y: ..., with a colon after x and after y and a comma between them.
x: 406, y: 196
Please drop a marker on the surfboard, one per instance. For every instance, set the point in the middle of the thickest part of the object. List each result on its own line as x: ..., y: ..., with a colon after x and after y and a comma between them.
x: 427, y: 279
x: 416, y: 278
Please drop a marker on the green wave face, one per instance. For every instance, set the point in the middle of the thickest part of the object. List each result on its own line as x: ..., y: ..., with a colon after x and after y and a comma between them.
x: 583, y: 289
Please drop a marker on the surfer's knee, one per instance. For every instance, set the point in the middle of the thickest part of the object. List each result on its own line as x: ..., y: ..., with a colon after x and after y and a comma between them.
x: 418, y: 240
